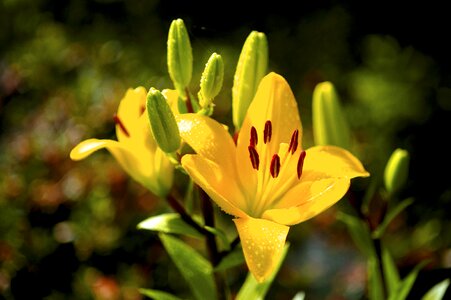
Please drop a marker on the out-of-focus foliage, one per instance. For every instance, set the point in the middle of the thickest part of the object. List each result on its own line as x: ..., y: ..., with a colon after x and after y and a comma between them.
x: 68, y: 229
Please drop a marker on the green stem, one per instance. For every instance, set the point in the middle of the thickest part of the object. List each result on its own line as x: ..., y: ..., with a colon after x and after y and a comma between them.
x: 189, y: 105
x: 377, y: 243
x: 378, y: 248
x: 176, y: 206
x: 212, y: 246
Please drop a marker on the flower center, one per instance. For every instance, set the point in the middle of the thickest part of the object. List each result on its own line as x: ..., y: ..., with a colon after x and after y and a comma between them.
x: 277, y: 170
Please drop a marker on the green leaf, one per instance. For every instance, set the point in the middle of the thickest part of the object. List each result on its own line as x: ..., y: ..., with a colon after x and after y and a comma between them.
x: 359, y: 232
x: 219, y: 233
x: 169, y: 223
x: 233, y: 259
x: 369, y: 193
x: 158, y: 295
x: 375, y: 289
x: 407, y: 283
x: 251, y: 289
x: 196, y: 270
x: 391, y: 274
x: 392, y: 213
x: 437, y: 291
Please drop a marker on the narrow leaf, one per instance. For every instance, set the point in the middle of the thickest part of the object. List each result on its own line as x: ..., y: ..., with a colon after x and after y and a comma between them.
x: 196, y: 270
x: 233, y: 259
x: 169, y: 223
x: 390, y: 271
x: 251, y: 289
x: 437, y: 292
x: 375, y: 289
x: 407, y: 283
x: 392, y: 213
x: 158, y: 295
x: 219, y: 233
x: 359, y: 233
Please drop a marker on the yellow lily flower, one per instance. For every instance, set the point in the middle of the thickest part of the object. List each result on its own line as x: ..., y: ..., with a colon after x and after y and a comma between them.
x: 136, y: 150
x: 267, y: 180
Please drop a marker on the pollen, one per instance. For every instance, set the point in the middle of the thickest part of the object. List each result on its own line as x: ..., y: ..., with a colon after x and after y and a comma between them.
x: 267, y: 132
x: 301, y: 163
x: 274, y: 168
x: 253, y: 154
x: 253, y: 141
x: 294, y: 142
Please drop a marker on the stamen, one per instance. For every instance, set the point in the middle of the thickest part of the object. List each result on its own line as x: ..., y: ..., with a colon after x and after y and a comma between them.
x: 253, y: 154
x: 254, y: 137
x: 142, y: 109
x: 301, y: 163
x: 118, y: 122
x: 294, y: 141
x: 274, y: 168
x: 267, y: 132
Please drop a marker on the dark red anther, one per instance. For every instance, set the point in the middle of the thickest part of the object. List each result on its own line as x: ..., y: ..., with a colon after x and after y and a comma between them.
x: 267, y: 132
x: 119, y: 123
x: 142, y: 109
x: 253, y: 154
x: 301, y: 163
x: 274, y: 168
x: 253, y: 141
x: 294, y: 141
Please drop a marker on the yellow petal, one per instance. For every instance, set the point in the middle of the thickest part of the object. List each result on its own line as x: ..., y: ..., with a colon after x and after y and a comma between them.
x: 307, y: 200
x: 219, y: 185
x: 172, y: 96
x: 122, y: 155
x: 208, y: 138
x: 325, y: 180
x: 163, y: 172
x: 273, y: 101
x: 262, y: 242
x: 331, y: 161
x: 137, y: 163
x: 131, y: 107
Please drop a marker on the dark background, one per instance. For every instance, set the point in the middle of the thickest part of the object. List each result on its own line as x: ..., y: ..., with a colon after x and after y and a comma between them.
x: 67, y: 229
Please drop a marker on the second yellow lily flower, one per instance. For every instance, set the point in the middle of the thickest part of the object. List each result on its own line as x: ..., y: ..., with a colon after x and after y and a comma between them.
x: 136, y: 149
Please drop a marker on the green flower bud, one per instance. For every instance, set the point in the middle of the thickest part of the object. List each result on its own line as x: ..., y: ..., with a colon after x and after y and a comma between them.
x: 162, y: 121
x: 396, y: 171
x: 211, y: 80
x: 329, y: 122
x: 180, y: 56
x: 251, y: 68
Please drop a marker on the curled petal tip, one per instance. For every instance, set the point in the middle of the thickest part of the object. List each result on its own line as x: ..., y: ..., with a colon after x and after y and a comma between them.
x: 263, y: 243
x: 86, y: 148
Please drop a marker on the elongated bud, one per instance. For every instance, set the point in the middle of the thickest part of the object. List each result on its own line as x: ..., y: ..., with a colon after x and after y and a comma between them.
x: 162, y: 121
x: 211, y: 80
x: 251, y: 68
x: 180, y: 56
x: 330, y: 126
x: 396, y: 170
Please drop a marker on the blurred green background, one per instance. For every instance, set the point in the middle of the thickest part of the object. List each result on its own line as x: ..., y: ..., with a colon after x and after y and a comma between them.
x: 68, y: 229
